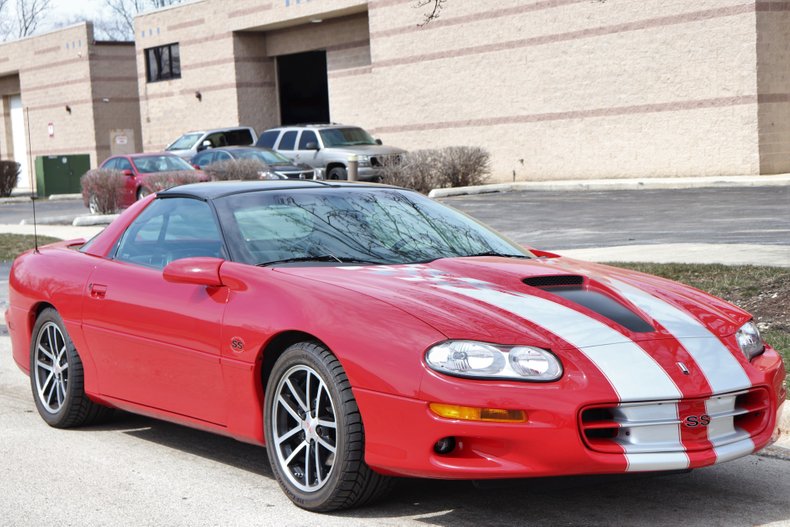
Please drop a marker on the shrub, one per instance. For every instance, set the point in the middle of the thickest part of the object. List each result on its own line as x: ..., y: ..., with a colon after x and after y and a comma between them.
x: 102, y: 190
x: 9, y: 172
x: 415, y: 170
x: 164, y: 180
x: 236, y: 169
x: 462, y: 166
x: 424, y: 170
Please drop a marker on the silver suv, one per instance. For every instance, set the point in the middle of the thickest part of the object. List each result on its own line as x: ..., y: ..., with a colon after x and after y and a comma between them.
x: 191, y: 143
x: 327, y: 147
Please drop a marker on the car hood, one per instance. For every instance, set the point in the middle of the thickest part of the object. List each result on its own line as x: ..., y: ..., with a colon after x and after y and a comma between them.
x: 368, y: 150
x: 549, y: 302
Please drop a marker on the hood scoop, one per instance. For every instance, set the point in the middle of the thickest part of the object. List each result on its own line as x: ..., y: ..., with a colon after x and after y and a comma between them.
x: 573, y: 289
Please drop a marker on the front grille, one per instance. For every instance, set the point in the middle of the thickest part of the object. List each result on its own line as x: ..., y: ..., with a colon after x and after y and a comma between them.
x: 297, y: 174
x: 674, y: 426
x: 389, y: 159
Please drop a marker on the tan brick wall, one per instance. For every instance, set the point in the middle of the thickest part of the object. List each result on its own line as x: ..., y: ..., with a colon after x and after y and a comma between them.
x: 773, y: 81
x: 552, y: 88
x: 66, y: 68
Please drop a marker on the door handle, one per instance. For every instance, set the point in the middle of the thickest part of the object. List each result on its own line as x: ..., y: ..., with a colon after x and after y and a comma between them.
x: 98, y: 290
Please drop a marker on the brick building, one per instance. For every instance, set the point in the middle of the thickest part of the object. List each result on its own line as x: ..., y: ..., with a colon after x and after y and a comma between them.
x: 62, y: 93
x: 552, y: 88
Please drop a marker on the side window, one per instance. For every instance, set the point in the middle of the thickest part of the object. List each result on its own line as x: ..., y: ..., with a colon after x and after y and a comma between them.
x: 202, y: 159
x: 170, y: 229
x: 217, y: 139
x: 110, y: 164
x: 122, y: 164
x: 241, y: 137
x: 221, y: 156
x: 288, y: 140
x: 308, y: 136
x: 268, y: 139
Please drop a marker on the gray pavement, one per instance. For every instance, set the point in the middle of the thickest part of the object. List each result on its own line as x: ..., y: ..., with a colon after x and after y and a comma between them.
x: 137, y: 471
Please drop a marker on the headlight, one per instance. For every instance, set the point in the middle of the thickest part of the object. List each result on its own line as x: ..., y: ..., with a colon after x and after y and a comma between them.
x: 478, y: 360
x: 749, y: 340
x: 364, y: 161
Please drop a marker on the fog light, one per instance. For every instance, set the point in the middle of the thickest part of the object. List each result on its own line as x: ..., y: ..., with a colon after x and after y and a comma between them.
x: 470, y: 413
x: 445, y: 445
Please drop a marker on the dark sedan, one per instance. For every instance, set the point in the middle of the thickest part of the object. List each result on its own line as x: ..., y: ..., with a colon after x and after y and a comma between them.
x: 277, y: 163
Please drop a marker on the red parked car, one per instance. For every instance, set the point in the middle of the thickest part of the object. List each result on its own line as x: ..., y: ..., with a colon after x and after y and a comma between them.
x: 361, y: 331
x: 138, y: 166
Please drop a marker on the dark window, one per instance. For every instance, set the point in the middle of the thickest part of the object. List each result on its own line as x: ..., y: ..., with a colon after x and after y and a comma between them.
x: 122, y: 164
x: 163, y: 63
x: 240, y: 137
x: 222, y: 156
x: 268, y: 139
x: 110, y: 164
x: 170, y: 229
x: 308, y: 136
x: 288, y: 141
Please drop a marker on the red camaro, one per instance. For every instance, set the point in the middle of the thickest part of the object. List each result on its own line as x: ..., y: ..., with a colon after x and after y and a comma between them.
x: 362, y: 331
x: 138, y: 166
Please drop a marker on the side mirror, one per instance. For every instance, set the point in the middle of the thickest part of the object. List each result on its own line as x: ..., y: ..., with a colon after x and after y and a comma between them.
x: 378, y: 142
x: 204, y: 145
x: 312, y: 145
x: 128, y: 172
x: 201, y: 270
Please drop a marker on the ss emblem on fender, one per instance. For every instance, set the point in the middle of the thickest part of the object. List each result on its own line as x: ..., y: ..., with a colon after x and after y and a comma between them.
x: 237, y: 344
x: 697, y: 420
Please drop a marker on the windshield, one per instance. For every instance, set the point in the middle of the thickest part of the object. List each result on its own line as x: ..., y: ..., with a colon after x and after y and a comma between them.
x: 185, y: 142
x: 269, y: 157
x: 346, y: 137
x: 168, y: 163
x: 386, y: 226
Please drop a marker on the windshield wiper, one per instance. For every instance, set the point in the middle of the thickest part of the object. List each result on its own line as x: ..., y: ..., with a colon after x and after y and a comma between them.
x: 320, y: 258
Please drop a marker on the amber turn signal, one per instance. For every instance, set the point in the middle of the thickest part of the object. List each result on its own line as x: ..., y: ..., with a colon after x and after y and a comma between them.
x: 469, y: 413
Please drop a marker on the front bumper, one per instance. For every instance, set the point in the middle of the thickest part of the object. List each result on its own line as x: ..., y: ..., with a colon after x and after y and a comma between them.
x: 400, y: 432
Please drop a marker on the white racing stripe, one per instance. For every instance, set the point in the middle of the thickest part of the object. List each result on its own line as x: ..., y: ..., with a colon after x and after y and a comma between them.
x: 657, y: 461
x: 634, y: 374
x: 720, y: 367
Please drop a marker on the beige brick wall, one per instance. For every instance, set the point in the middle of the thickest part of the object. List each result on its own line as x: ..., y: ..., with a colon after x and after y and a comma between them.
x: 773, y: 81
x: 66, y: 68
x: 552, y: 88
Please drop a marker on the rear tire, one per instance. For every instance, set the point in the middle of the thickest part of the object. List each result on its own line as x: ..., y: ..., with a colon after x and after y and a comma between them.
x: 56, y: 376
x: 314, y: 434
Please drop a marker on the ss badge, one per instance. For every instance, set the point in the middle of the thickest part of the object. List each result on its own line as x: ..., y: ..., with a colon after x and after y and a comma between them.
x: 693, y: 421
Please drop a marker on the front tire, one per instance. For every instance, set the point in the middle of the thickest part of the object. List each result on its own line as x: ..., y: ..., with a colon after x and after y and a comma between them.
x: 338, y: 173
x: 56, y: 376
x: 314, y: 434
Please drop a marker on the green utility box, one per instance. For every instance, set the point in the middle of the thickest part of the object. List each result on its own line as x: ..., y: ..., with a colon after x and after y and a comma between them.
x: 60, y: 174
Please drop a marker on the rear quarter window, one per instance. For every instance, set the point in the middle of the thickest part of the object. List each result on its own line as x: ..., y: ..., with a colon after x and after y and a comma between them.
x: 288, y: 140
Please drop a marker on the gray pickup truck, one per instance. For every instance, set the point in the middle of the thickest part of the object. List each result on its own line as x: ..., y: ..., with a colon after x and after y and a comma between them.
x: 326, y: 147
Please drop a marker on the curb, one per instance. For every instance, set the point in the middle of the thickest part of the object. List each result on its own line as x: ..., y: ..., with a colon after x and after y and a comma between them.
x: 64, y: 197
x: 50, y: 220
x: 90, y: 220
x: 618, y: 184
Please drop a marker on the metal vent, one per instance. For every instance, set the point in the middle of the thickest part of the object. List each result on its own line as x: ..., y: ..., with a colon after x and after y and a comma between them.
x: 554, y: 280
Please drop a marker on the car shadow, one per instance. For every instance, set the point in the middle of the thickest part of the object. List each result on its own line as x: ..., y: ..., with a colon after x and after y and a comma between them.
x: 207, y: 445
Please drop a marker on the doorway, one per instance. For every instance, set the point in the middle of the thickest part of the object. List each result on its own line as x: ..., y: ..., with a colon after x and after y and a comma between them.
x: 304, y: 95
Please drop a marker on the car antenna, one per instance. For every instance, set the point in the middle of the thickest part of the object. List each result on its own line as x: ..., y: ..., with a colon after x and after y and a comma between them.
x: 33, y: 193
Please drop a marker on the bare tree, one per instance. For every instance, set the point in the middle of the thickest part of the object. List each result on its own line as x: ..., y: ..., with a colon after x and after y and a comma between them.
x: 120, y: 26
x: 435, y: 7
x: 29, y: 14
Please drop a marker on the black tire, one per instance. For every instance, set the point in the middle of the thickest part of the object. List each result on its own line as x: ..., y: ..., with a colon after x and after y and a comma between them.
x: 337, y: 173
x: 61, y: 402
x: 348, y: 481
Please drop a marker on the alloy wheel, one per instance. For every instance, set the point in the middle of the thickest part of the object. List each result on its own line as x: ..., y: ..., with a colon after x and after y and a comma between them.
x: 304, y: 428
x: 51, y: 367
